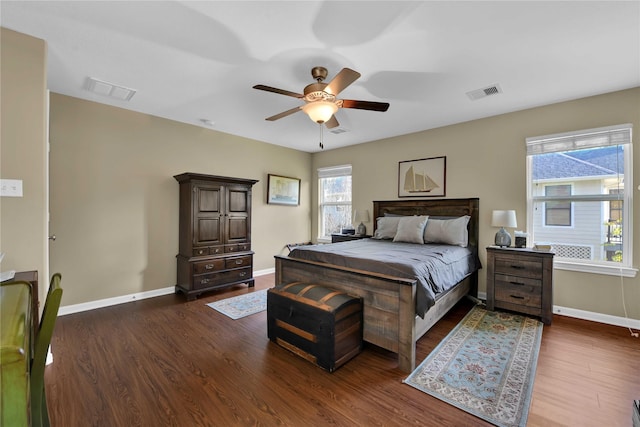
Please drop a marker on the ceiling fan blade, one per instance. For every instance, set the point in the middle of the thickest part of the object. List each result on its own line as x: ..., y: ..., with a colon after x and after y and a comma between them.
x: 283, y: 114
x: 332, y: 122
x: 343, y: 79
x: 365, y: 105
x: 280, y: 91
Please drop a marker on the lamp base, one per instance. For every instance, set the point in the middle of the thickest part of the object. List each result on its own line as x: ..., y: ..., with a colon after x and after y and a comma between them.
x: 362, y: 230
x: 503, y: 238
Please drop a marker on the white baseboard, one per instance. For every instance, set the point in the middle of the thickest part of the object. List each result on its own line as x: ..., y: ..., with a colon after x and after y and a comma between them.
x: 107, y: 302
x: 562, y: 311
x: 597, y: 317
x: 588, y: 315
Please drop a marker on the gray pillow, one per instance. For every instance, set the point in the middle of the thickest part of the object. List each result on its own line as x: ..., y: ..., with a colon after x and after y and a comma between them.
x: 447, y: 231
x: 387, y: 227
x: 411, y: 229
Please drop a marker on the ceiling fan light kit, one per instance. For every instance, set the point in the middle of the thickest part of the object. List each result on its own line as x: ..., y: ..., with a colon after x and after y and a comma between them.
x: 320, y: 111
x: 320, y: 99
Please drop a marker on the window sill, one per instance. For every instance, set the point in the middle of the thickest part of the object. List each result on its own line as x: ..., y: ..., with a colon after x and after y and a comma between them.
x: 595, y: 268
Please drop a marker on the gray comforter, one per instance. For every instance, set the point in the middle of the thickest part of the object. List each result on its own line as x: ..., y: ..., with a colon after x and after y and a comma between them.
x: 437, y: 268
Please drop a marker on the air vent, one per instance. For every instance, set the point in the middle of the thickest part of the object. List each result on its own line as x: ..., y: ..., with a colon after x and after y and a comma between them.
x: 338, y: 130
x: 484, y: 92
x: 111, y: 90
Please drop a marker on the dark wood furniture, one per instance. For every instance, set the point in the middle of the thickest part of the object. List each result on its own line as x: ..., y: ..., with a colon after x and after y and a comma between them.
x: 215, y: 233
x: 521, y: 280
x: 390, y: 319
x: 338, y: 237
x: 319, y: 324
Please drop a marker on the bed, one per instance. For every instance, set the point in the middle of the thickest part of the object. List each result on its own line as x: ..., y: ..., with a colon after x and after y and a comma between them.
x: 394, y: 315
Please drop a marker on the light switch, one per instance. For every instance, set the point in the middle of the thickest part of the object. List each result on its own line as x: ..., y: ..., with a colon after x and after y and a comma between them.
x: 11, y: 187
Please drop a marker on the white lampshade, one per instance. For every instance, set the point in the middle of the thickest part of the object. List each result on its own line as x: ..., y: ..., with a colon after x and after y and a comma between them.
x: 320, y: 111
x: 361, y: 216
x: 504, y: 219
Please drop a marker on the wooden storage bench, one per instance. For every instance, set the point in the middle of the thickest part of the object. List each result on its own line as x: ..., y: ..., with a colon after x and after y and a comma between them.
x: 319, y: 324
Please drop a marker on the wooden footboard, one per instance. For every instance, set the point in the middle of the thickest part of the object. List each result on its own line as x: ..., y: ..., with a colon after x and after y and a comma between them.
x: 390, y: 321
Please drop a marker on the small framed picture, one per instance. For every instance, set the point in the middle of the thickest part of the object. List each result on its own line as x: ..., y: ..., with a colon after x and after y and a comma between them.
x: 283, y: 190
x: 423, y: 177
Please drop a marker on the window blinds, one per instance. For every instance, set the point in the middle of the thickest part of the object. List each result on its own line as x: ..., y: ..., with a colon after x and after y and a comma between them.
x: 344, y: 170
x: 577, y: 140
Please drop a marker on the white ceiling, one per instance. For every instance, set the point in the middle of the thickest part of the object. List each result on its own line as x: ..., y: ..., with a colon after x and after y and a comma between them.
x: 199, y: 60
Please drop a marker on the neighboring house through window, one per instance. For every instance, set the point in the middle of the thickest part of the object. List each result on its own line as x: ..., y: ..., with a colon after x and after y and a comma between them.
x: 334, y: 193
x: 557, y: 213
x: 577, y: 200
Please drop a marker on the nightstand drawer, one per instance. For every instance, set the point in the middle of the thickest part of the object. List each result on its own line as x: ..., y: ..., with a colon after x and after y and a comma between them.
x: 521, y: 266
x: 518, y: 290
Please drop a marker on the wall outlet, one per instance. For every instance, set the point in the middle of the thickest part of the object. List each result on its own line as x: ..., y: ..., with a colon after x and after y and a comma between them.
x: 10, y: 187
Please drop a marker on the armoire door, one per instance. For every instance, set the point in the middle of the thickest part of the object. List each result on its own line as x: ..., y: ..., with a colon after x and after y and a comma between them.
x: 208, y: 209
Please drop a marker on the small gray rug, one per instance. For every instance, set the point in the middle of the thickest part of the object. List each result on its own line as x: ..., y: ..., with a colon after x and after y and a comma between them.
x: 242, y: 305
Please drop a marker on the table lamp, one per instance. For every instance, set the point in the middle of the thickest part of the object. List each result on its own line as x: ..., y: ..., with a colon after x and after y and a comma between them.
x: 503, y: 219
x: 362, y: 216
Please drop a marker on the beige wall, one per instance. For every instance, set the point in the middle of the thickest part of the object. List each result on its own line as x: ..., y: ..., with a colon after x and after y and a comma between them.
x: 486, y: 159
x: 23, y: 152
x: 114, y: 201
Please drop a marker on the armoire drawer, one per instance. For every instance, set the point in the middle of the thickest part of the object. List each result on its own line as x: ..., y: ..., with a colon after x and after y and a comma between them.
x: 237, y: 262
x: 221, y: 278
x: 202, y: 267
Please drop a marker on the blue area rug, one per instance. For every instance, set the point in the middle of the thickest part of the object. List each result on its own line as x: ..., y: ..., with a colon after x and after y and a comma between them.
x: 485, y: 366
x: 242, y: 305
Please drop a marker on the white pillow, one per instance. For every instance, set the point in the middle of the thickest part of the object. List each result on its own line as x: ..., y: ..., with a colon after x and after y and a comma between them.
x: 387, y: 227
x: 411, y: 229
x: 447, y: 231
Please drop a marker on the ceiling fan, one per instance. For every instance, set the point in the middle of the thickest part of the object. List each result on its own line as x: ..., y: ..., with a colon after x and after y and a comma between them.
x: 320, y: 98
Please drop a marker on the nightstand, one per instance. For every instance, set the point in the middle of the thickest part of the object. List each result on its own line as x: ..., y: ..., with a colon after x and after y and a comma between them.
x: 337, y: 237
x: 521, y: 280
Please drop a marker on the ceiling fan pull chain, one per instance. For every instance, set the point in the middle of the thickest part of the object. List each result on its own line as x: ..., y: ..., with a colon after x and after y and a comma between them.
x: 321, y: 144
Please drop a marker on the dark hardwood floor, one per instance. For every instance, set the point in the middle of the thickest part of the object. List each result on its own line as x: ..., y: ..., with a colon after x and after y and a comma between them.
x: 167, y: 362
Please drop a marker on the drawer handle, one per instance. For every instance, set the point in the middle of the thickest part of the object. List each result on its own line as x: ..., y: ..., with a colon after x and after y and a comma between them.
x: 200, y: 252
x: 238, y: 262
x: 208, y: 267
x: 244, y: 273
x: 204, y: 281
x: 217, y: 251
x: 518, y: 267
x: 517, y: 283
x: 516, y: 296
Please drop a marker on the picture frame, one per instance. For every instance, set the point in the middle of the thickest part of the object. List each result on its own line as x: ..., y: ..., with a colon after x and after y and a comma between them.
x: 423, y: 177
x: 283, y: 190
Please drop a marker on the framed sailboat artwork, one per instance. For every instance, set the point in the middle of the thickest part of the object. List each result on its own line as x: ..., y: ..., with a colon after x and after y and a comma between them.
x: 423, y: 177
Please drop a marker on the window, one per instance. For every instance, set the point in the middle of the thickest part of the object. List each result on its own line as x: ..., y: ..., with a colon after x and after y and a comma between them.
x: 577, y: 200
x: 334, y: 191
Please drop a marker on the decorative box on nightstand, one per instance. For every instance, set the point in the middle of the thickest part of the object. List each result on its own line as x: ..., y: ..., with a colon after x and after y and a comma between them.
x: 520, y: 279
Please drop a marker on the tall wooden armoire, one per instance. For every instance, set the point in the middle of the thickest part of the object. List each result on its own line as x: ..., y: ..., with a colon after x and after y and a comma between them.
x: 215, y: 233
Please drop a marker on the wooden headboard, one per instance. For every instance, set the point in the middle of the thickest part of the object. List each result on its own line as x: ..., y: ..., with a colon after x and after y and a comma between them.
x: 433, y: 207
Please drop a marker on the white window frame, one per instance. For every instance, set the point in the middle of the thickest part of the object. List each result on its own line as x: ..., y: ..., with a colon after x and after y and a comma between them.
x: 331, y: 172
x: 577, y: 140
